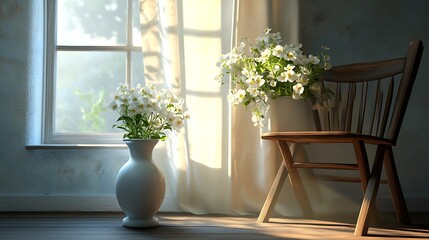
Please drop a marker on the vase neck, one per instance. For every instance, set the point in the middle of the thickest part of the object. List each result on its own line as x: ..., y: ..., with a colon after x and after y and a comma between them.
x: 141, y: 149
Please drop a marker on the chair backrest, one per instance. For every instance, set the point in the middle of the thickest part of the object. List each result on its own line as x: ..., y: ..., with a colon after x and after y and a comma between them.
x: 370, y: 98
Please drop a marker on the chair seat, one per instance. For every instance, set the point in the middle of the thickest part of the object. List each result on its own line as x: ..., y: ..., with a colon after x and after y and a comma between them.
x: 325, y: 137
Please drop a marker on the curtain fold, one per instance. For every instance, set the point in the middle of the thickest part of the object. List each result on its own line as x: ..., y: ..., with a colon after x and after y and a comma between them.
x: 218, y: 163
x: 254, y: 161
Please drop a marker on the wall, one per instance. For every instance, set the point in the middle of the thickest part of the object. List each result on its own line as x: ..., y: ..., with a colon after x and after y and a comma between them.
x: 362, y: 30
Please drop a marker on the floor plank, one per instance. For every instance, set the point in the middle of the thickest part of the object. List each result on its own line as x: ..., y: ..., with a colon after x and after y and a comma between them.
x: 15, y: 226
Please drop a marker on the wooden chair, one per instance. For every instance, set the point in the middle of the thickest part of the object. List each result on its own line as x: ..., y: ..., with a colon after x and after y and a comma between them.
x: 367, y: 107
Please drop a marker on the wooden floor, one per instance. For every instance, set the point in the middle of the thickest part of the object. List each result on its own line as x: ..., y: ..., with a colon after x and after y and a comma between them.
x: 185, y: 226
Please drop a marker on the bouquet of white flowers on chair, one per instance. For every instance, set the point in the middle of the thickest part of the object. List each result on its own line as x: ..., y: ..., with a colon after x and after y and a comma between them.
x: 146, y: 112
x: 267, y: 70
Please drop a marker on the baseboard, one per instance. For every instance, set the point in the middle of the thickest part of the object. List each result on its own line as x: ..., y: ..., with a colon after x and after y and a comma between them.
x: 73, y: 203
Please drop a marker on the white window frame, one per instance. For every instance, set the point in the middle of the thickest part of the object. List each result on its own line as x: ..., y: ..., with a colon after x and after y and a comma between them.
x: 48, y: 134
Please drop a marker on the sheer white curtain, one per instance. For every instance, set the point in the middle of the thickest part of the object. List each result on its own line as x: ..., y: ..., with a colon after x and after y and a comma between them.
x: 254, y: 161
x: 218, y: 162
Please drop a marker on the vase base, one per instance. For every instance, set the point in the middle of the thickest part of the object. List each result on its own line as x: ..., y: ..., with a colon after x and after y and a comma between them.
x: 140, y: 222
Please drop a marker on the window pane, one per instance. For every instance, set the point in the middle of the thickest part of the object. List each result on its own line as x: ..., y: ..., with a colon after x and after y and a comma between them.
x: 137, y: 72
x: 137, y: 41
x: 84, y: 83
x: 95, y: 22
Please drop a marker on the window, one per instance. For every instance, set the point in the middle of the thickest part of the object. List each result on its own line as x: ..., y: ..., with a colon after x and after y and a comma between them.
x: 91, y: 47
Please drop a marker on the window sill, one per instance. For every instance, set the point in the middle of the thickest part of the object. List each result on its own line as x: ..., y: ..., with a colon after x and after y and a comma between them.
x: 74, y: 146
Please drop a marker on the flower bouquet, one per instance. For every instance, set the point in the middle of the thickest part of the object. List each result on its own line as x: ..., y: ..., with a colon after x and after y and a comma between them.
x: 146, y: 112
x: 266, y: 70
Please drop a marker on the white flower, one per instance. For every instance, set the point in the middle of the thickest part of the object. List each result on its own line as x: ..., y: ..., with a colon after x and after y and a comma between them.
x: 253, y: 91
x: 257, y: 117
x: 298, y: 89
x: 236, y: 97
x: 177, y: 124
x: 239, y: 95
x: 263, y: 96
x: 113, y: 105
x: 147, y: 112
x: 231, y: 98
x: 302, y: 78
x: 247, y: 73
x: 278, y: 51
x: 313, y: 59
x: 259, y: 80
x: 290, y: 55
x: 304, y: 70
x: 282, y: 77
x: 265, y: 55
x: 288, y: 74
x: 267, y: 69
x: 186, y: 115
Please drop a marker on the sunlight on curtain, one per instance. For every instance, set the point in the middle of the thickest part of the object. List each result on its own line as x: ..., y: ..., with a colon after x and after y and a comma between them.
x: 182, y: 41
x: 218, y: 162
x: 202, y: 45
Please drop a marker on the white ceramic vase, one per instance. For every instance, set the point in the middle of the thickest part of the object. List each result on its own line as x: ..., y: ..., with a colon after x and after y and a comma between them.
x: 288, y: 114
x: 140, y: 185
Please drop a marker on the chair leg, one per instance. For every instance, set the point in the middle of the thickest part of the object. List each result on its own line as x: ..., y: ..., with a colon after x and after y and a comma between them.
x: 271, y: 199
x: 395, y: 188
x: 362, y: 160
x: 363, y: 164
x: 370, y: 193
x: 295, y: 180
